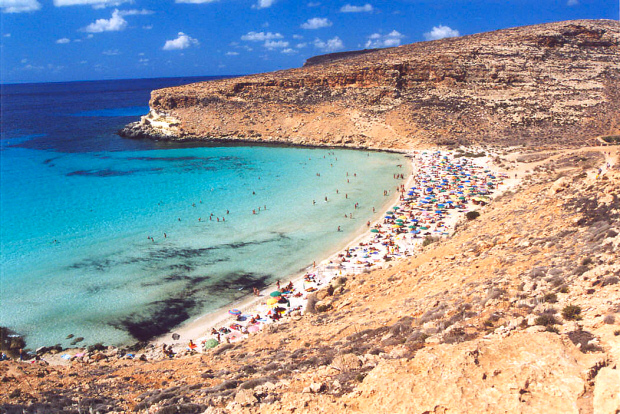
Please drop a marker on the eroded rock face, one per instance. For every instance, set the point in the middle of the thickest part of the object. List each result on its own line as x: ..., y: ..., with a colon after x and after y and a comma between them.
x: 553, y: 83
x: 528, y: 373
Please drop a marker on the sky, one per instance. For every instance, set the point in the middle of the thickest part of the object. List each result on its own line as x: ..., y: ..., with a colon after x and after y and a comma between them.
x: 69, y: 40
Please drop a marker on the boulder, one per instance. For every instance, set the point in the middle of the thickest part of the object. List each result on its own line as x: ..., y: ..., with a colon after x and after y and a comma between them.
x: 607, y: 391
x: 525, y: 373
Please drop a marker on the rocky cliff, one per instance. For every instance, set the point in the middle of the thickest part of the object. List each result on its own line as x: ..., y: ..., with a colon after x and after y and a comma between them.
x: 554, y: 83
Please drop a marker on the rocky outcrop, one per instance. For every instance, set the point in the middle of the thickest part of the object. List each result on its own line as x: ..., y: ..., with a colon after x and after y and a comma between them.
x: 554, y: 83
x: 524, y: 373
x: 154, y: 125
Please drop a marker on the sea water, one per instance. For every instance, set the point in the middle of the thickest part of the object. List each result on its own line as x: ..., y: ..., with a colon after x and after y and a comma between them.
x: 118, y: 240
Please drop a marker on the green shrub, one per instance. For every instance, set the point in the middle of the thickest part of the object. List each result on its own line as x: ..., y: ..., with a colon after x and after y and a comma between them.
x: 571, y: 312
x: 430, y: 240
x: 550, y: 298
x: 472, y: 215
x: 546, y: 320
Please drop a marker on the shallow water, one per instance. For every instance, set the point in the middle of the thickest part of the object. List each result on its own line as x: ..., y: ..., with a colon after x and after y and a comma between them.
x: 79, y: 206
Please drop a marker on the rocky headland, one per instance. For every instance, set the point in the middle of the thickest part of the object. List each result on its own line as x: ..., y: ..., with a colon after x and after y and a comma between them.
x: 554, y: 83
x: 518, y: 311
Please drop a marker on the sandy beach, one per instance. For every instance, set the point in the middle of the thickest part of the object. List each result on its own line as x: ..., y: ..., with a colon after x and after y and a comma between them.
x: 371, y: 247
x: 202, y: 325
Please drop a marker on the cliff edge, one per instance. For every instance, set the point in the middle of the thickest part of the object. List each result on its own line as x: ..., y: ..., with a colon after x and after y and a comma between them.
x: 553, y: 83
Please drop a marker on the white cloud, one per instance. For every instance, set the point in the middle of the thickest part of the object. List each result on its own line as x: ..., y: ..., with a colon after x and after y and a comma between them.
x: 261, y: 36
x: 440, y: 32
x: 314, y: 4
x: 289, y: 51
x: 19, y: 6
x: 6, y: 35
x: 571, y: 3
x: 135, y: 12
x: 183, y: 41
x: 232, y: 53
x: 263, y: 4
x: 114, y: 24
x: 49, y: 66
x: 147, y: 27
x: 97, y: 4
x: 275, y: 44
x: 195, y: 1
x: 297, y: 37
x: 332, y: 45
x: 63, y: 41
x: 301, y: 45
x: 316, y: 23
x: 377, y: 40
x: 111, y: 52
x: 347, y: 8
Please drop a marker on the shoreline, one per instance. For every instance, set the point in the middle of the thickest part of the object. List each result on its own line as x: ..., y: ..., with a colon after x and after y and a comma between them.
x: 200, y: 325
x: 199, y: 328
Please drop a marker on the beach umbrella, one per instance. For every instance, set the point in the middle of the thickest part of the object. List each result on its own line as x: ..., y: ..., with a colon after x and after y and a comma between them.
x: 272, y: 301
x: 397, y: 226
x: 275, y: 294
x: 396, y: 208
x: 374, y: 231
x: 234, y: 312
x: 210, y: 343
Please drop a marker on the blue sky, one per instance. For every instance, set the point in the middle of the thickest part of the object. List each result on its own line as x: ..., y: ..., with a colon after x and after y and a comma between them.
x: 65, y: 40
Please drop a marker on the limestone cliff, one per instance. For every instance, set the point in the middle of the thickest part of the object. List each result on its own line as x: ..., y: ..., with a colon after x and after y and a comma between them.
x: 553, y: 83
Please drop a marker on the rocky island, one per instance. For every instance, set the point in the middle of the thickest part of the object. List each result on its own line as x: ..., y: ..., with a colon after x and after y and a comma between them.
x: 554, y: 83
x: 518, y: 311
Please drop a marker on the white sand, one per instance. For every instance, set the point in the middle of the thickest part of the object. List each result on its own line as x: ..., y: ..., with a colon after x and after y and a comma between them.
x: 362, y: 241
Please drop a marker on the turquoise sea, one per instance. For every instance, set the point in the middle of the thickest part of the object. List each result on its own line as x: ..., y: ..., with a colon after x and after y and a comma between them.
x: 118, y: 240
